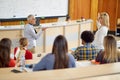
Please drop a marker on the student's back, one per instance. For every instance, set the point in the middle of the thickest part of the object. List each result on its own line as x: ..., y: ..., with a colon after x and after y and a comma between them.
x: 58, y: 59
x: 110, y: 54
x: 87, y: 51
x: 47, y: 63
x: 101, y: 60
x: 5, y: 50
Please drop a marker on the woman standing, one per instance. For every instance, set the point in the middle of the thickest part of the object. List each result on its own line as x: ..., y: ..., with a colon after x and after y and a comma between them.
x: 103, y: 27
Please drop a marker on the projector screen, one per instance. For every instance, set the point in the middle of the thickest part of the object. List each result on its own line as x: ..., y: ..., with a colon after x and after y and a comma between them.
x: 15, y: 9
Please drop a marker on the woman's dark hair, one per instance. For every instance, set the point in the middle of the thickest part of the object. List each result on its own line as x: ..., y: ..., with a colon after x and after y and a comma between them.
x: 5, y: 50
x: 87, y: 36
x: 60, y: 50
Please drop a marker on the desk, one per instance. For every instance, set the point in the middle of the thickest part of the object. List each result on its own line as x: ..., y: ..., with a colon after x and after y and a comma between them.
x: 106, y: 77
x: 33, y: 61
x: 36, y: 59
x: 82, y: 63
x: 66, y: 74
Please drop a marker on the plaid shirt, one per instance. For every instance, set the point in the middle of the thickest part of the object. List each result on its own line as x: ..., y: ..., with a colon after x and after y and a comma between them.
x: 86, y: 52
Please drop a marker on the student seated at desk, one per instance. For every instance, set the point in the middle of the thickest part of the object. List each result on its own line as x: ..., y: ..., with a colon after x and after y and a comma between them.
x: 110, y: 53
x: 58, y: 59
x: 87, y: 51
x: 22, y: 49
x: 5, y: 50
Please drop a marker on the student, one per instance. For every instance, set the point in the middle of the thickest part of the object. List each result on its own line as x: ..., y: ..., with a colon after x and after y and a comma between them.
x: 31, y: 34
x: 22, y: 50
x: 110, y: 53
x: 5, y: 50
x: 103, y: 26
x: 87, y: 51
x: 58, y: 59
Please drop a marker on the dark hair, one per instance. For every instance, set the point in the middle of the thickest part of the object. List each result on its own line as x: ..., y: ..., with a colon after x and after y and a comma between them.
x: 87, y: 36
x: 5, y: 50
x: 60, y: 50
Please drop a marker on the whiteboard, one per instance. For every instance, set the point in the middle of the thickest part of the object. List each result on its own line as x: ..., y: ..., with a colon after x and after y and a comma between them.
x: 12, y: 9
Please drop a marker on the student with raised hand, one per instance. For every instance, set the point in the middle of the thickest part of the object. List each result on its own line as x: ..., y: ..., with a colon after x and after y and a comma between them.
x: 58, y: 59
x: 110, y: 53
x: 23, y: 47
x: 5, y: 51
x: 103, y: 27
x: 87, y: 51
x: 31, y: 34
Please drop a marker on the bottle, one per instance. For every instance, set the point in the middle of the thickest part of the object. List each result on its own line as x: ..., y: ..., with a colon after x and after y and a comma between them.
x: 22, y: 63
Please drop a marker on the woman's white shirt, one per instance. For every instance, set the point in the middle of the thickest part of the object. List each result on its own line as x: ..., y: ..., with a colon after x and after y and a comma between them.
x: 99, y: 37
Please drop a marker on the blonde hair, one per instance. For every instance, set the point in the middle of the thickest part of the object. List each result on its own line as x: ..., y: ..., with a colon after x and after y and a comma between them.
x: 110, y: 48
x: 23, y: 43
x: 105, y: 18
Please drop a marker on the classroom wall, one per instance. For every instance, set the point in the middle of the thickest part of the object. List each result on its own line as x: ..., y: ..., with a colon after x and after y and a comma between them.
x: 111, y: 7
x: 18, y: 22
x: 118, y: 16
x: 80, y: 8
x: 87, y: 9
